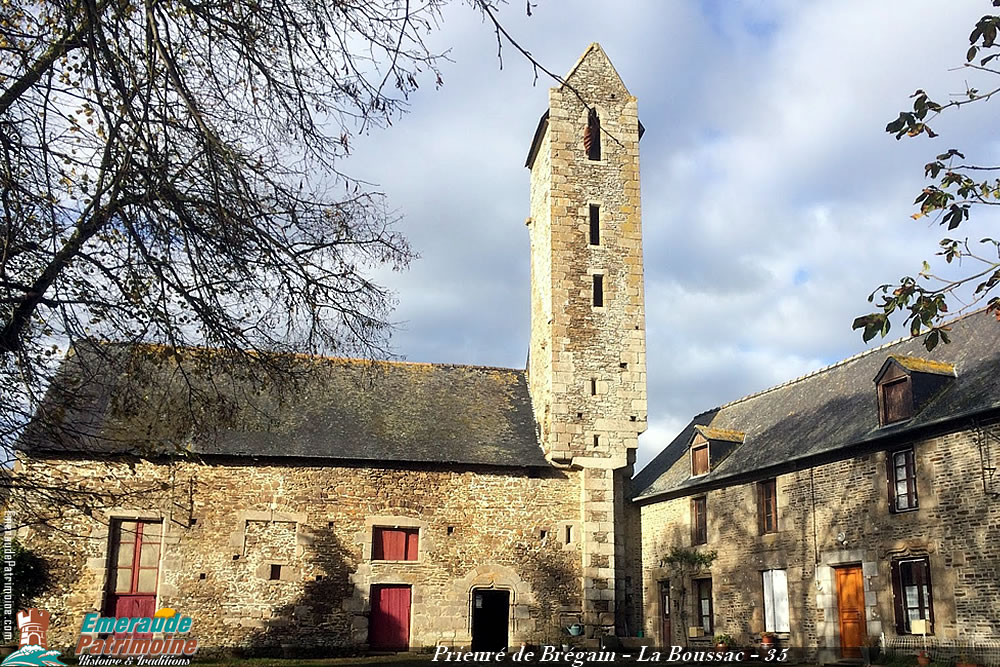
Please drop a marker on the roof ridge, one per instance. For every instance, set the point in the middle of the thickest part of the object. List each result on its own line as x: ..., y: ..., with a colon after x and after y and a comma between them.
x: 313, y: 357
x: 844, y: 361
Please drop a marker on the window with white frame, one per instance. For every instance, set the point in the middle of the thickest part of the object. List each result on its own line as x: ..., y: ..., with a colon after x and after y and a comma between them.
x: 775, y: 601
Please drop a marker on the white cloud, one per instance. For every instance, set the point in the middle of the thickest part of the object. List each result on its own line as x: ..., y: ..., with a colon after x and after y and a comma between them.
x: 773, y: 200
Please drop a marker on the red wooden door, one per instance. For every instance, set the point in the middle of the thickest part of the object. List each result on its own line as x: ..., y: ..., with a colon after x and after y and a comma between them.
x: 389, y: 623
x: 851, y: 605
x: 134, y: 568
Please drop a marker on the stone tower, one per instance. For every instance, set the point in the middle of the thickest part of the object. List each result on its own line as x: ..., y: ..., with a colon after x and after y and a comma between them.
x: 587, y: 360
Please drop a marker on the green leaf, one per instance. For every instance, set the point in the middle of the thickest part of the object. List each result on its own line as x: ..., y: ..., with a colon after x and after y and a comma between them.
x: 931, y: 340
x: 973, y: 50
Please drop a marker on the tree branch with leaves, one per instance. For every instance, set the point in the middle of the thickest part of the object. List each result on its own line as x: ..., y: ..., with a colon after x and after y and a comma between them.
x: 958, y: 187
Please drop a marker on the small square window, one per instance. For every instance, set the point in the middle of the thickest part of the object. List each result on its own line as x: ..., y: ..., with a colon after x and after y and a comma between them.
x: 542, y: 534
x: 275, y: 572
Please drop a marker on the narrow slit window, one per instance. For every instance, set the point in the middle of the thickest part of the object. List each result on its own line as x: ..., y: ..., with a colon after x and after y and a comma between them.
x: 597, y: 441
x: 592, y: 136
x: 598, y: 290
x: 569, y: 534
x: 595, y: 224
x: 593, y: 387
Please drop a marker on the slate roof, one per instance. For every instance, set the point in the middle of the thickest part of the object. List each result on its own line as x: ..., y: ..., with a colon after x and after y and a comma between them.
x: 143, y: 399
x: 835, y: 409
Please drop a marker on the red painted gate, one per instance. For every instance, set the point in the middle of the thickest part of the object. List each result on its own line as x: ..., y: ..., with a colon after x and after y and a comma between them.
x: 389, y: 623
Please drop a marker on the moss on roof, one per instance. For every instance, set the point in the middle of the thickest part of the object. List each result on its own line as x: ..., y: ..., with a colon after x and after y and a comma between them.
x: 724, y: 434
x: 923, y: 365
x: 155, y: 399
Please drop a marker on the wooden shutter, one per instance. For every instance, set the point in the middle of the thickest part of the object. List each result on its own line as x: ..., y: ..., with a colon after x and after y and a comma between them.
x: 699, y: 460
x: 890, y: 470
x: 411, y: 545
x: 592, y: 136
x: 779, y: 583
x: 768, y: 576
x: 395, y: 543
x: 699, y: 521
x: 897, y: 400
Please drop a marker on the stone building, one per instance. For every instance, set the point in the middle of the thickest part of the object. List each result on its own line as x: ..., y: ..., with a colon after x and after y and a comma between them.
x: 389, y: 505
x: 860, y: 500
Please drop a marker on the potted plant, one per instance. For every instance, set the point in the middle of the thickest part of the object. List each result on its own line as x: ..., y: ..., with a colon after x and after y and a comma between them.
x: 723, y: 642
x: 923, y: 659
x: 768, y: 639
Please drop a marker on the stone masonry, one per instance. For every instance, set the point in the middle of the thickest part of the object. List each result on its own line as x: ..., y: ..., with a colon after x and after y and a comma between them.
x: 226, y: 524
x: 587, y: 367
x: 831, y: 514
x: 269, y: 548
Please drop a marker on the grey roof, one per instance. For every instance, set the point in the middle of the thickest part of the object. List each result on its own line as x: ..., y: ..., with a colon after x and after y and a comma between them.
x: 149, y: 400
x: 834, y: 410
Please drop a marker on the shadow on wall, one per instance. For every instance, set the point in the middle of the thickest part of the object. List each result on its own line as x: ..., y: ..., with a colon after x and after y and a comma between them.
x: 283, y: 605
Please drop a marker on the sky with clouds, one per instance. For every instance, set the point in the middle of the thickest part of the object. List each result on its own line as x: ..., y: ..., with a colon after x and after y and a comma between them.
x: 773, y: 200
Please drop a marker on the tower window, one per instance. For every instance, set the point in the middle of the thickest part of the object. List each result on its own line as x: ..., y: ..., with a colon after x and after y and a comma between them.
x: 592, y: 136
x: 595, y: 224
x: 598, y: 290
x: 597, y: 441
x: 593, y: 386
x: 275, y: 573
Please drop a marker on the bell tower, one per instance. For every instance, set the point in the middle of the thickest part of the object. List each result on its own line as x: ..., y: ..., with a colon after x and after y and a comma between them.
x: 587, y: 359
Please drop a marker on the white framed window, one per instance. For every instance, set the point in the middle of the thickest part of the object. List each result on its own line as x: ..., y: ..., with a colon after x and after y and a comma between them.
x: 775, y: 601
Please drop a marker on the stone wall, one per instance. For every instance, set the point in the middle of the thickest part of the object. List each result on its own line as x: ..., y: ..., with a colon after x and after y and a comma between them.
x: 226, y: 524
x: 838, y: 514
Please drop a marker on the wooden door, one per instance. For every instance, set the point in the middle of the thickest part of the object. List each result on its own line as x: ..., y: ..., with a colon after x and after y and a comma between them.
x: 851, y: 606
x: 389, y: 623
x: 134, y: 568
x: 665, y: 636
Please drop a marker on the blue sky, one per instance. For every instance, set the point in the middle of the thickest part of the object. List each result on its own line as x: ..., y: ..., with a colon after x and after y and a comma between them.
x: 773, y: 201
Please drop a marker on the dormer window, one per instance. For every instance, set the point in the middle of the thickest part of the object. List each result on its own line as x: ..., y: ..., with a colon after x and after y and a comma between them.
x: 906, y: 384
x: 709, y: 446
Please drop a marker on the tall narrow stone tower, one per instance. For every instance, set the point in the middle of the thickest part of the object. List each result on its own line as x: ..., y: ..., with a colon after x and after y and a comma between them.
x: 587, y: 363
